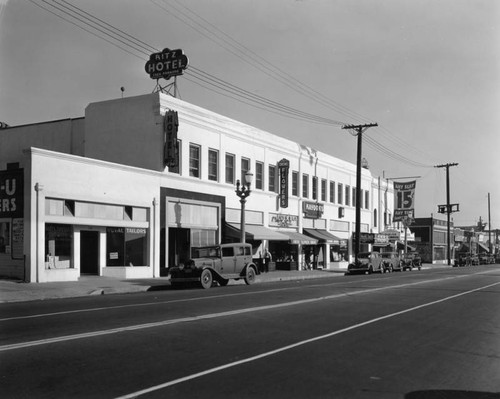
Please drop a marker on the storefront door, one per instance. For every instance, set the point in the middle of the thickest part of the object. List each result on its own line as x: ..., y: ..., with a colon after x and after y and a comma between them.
x: 89, y: 252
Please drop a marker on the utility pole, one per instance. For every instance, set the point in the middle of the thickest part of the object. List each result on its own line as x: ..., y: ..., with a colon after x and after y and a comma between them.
x: 449, y: 207
x: 358, y: 131
x: 489, y: 225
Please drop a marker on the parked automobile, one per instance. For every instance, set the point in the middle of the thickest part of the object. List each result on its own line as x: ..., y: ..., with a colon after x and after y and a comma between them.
x: 391, y: 262
x: 411, y: 260
x: 218, y: 263
x: 461, y: 260
x: 368, y: 262
x: 486, y: 259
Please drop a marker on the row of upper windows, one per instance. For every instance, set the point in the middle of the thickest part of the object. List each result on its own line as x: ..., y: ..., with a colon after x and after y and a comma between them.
x: 327, y: 191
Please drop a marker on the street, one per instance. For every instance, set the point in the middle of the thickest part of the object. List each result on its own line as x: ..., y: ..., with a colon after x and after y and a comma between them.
x: 420, y: 334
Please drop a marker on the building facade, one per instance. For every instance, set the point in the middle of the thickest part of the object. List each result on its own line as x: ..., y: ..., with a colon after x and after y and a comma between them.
x: 122, y: 192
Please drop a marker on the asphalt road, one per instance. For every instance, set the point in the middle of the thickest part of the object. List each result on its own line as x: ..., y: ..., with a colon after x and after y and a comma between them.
x: 421, y: 334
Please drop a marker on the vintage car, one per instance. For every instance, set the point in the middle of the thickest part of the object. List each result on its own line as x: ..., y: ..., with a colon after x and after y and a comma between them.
x: 486, y: 259
x: 466, y: 259
x: 391, y: 262
x: 217, y: 263
x: 410, y: 260
x: 368, y: 262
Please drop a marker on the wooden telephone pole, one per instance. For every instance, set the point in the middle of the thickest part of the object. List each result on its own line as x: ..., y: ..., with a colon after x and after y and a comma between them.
x: 450, y: 208
x: 358, y: 131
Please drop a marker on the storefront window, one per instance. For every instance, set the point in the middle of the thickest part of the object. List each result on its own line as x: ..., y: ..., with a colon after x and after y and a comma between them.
x: 126, y: 246
x: 58, y: 246
x: 4, y: 238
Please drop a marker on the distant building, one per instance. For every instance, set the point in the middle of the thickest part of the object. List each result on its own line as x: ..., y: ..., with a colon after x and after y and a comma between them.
x: 431, y: 239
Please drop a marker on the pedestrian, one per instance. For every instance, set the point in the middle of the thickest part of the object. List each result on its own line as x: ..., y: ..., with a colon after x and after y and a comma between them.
x: 267, y: 258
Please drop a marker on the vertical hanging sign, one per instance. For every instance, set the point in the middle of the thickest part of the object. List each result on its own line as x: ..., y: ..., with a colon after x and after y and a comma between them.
x: 283, y: 166
x: 171, y: 145
x: 404, y: 200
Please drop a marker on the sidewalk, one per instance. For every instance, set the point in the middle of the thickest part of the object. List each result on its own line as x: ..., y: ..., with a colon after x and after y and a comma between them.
x: 19, y: 291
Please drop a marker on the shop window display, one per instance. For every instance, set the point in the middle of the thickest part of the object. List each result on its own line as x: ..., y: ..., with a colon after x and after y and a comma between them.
x: 126, y: 246
x: 58, y: 246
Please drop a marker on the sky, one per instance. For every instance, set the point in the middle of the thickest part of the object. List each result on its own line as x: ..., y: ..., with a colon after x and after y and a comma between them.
x: 426, y: 71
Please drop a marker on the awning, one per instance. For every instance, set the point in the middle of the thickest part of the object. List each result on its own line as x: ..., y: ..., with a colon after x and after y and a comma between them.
x: 297, y: 238
x: 253, y: 232
x: 401, y: 245
x: 323, y: 236
x: 483, y: 248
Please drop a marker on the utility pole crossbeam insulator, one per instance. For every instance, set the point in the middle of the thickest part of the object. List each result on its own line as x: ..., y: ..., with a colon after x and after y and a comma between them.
x: 359, y: 129
x: 449, y: 209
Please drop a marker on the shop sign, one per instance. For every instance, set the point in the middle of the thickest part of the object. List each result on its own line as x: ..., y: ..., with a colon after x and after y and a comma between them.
x: 381, y: 239
x: 11, y: 193
x: 313, y: 210
x: 404, y: 200
x: 392, y: 235
x: 171, y: 144
x: 366, y: 238
x: 283, y: 166
x: 279, y: 220
x: 166, y: 64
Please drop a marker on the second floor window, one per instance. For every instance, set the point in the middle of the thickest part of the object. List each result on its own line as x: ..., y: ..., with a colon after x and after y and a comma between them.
x: 213, y: 165
x: 295, y: 183
x: 305, y: 186
x: 245, y: 167
x: 367, y: 199
x: 194, y: 160
x: 230, y: 168
x: 332, y: 191
x: 347, y: 195
x: 323, y: 190
x: 340, y: 190
x: 259, y: 175
x: 272, y: 178
x: 315, y: 188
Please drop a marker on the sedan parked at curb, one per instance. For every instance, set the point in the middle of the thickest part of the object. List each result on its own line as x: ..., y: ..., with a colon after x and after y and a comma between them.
x: 218, y: 263
x: 391, y: 262
x: 368, y: 262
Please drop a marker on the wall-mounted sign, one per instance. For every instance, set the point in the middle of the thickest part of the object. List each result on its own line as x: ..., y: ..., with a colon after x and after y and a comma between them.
x: 312, y: 210
x: 280, y: 220
x: 404, y: 200
x: 366, y: 238
x: 11, y: 193
x: 171, y: 144
x: 166, y: 64
x: 283, y: 166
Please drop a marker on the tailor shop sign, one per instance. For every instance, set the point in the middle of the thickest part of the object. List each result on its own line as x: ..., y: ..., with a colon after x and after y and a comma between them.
x: 166, y: 64
x: 11, y: 193
x: 312, y: 210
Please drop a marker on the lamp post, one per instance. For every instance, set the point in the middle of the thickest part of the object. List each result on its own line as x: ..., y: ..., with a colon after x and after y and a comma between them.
x: 243, y: 191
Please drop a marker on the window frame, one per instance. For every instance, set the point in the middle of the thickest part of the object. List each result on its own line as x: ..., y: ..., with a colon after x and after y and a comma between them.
x: 230, y: 169
x: 211, y: 175
x: 192, y: 160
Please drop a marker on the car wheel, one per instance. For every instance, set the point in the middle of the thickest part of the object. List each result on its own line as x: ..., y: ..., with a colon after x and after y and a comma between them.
x: 206, y: 279
x: 223, y: 282
x: 250, y: 276
x: 370, y: 270
x: 391, y: 269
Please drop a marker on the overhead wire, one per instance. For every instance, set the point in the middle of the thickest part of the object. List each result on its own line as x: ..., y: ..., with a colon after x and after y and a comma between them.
x: 203, y: 78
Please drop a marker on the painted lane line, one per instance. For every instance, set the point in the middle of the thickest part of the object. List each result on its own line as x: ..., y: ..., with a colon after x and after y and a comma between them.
x: 191, y: 299
x: 295, y: 345
x: 22, y: 345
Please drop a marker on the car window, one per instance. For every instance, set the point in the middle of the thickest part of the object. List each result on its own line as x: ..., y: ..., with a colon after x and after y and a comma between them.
x: 248, y: 251
x: 227, y: 251
x: 239, y: 251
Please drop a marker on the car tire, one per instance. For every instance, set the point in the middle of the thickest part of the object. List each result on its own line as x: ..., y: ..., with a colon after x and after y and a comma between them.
x: 249, y: 276
x: 223, y: 282
x: 206, y: 279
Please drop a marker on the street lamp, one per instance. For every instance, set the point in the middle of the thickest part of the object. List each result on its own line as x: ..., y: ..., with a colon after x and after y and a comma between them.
x: 243, y: 191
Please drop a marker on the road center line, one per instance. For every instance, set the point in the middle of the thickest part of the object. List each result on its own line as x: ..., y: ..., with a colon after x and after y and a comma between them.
x: 295, y: 345
x: 22, y: 345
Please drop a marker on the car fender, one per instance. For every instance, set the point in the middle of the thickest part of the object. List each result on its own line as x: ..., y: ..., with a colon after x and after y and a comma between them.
x: 252, y: 265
